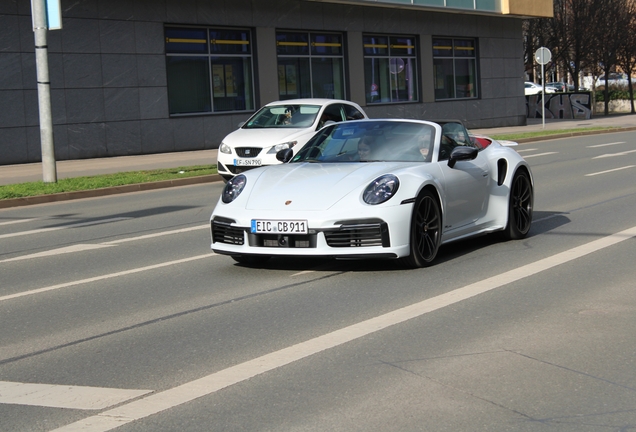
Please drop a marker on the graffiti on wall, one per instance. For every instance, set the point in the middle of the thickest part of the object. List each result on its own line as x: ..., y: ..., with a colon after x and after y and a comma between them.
x: 560, y: 106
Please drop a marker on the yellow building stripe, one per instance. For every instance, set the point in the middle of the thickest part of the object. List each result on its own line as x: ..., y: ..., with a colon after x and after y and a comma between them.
x: 177, y: 40
x: 229, y: 42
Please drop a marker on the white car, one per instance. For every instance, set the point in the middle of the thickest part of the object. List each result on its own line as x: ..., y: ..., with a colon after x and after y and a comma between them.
x: 375, y: 189
x: 277, y: 126
x: 533, y: 89
x: 619, y: 80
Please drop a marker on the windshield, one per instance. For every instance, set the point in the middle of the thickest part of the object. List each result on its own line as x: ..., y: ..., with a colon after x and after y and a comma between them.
x: 370, y: 141
x: 283, y: 116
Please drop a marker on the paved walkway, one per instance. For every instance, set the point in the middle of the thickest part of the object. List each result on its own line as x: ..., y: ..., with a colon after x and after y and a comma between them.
x: 11, y: 174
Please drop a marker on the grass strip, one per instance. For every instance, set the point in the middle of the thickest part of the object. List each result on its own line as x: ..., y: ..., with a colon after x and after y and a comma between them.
x: 22, y: 190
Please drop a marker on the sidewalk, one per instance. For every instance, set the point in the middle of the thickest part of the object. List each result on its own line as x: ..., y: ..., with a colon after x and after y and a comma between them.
x: 22, y: 173
x: 11, y: 174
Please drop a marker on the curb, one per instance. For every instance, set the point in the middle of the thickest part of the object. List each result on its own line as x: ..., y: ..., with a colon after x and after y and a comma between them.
x: 138, y: 187
x: 574, y: 134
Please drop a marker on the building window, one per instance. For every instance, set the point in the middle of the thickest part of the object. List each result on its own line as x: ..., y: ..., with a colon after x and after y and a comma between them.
x: 390, y: 69
x: 310, y: 65
x: 455, y: 68
x: 208, y: 70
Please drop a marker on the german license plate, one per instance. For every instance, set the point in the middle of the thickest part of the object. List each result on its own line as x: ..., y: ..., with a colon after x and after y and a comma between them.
x: 261, y: 226
x: 247, y: 162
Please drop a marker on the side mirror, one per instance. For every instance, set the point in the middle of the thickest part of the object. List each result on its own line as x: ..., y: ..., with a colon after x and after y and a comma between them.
x: 462, y: 153
x: 285, y: 155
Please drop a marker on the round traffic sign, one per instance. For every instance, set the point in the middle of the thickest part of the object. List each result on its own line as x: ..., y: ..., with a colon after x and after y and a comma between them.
x: 542, y: 55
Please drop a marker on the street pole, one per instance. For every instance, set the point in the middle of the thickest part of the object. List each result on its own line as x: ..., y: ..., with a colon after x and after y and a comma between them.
x: 543, y: 96
x: 40, y: 29
x: 542, y: 56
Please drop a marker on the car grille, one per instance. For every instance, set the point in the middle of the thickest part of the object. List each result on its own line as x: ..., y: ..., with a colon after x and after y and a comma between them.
x: 282, y: 240
x: 359, y: 235
x: 223, y: 232
x: 248, y: 152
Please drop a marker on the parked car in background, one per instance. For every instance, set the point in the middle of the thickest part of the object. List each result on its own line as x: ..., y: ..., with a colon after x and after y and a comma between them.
x: 278, y: 126
x: 581, y: 88
x: 615, y: 80
x: 559, y: 86
x: 533, y: 89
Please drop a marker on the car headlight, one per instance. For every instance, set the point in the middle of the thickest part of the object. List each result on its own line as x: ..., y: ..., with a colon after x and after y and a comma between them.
x: 233, y: 188
x: 278, y: 147
x: 381, y: 189
x: 224, y: 148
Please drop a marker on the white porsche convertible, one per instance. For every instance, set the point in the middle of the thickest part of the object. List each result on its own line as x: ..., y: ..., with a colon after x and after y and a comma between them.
x: 370, y: 189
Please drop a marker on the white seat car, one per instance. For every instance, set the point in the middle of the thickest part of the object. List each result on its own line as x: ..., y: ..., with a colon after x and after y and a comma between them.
x: 533, y: 89
x: 278, y: 126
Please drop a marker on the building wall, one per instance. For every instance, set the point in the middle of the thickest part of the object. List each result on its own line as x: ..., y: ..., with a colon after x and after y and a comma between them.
x: 108, y: 70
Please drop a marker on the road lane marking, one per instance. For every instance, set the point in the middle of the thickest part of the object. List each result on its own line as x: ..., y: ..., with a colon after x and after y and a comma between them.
x: 605, y: 145
x: 85, y: 247
x: 159, y: 234
x: 608, y: 155
x: 63, y: 227
x: 104, y: 277
x: 526, y: 150
x: 539, y: 154
x: 158, y: 402
x: 303, y: 273
x: 65, y: 396
x: 55, y: 252
x: 17, y: 221
x: 609, y: 171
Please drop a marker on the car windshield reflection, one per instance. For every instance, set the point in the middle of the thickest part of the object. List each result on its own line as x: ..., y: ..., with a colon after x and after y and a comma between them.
x: 370, y: 141
x: 283, y: 116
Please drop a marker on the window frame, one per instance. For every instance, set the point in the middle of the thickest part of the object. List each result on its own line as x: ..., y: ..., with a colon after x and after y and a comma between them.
x: 307, y: 58
x: 454, y: 58
x: 212, y: 59
x: 389, y: 51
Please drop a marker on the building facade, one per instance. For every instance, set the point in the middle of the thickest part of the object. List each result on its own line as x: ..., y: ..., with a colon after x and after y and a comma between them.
x: 151, y: 76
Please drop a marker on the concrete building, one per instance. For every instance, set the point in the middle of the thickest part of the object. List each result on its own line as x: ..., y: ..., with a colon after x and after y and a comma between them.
x: 149, y: 76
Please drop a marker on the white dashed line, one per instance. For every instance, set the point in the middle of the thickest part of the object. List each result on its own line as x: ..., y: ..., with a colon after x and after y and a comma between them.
x: 609, y: 171
x: 539, y: 154
x: 614, y: 154
x: 65, y: 396
x: 104, y: 277
x: 62, y: 227
x: 605, y: 145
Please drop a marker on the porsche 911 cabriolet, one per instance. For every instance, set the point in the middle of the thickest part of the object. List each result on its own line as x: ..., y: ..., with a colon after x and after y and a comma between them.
x: 376, y: 189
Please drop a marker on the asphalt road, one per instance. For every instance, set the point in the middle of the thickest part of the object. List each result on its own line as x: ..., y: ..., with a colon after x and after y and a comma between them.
x: 114, y: 313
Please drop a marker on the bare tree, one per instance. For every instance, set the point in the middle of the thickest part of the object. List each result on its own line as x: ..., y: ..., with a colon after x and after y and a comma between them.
x: 627, y: 49
x: 536, y: 35
x: 576, y: 19
x: 608, y: 18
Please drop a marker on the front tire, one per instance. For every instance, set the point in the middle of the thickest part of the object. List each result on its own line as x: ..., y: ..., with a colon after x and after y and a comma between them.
x: 519, y: 207
x: 425, y: 232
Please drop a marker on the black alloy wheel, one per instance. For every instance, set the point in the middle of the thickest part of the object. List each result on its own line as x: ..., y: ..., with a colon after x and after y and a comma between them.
x: 426, y: 231
x: 519, y: 207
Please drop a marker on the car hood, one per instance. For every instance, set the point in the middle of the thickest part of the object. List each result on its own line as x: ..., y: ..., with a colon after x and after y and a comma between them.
x: 263, y: 137
x: 311, y: 186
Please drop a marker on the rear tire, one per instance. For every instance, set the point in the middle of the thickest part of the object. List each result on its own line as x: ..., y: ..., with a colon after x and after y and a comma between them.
x: 425, y: 232
x: 251, y: 260
x: 519, y: 207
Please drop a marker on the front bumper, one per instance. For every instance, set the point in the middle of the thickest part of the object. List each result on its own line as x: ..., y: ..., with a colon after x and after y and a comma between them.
x: 345, y: 238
